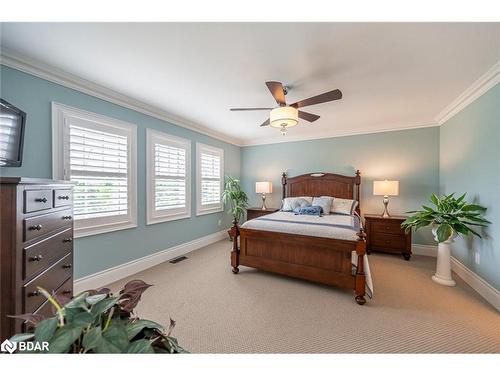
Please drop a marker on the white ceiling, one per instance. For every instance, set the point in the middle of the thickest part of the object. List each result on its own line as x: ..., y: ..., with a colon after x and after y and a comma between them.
x: 392, y: 75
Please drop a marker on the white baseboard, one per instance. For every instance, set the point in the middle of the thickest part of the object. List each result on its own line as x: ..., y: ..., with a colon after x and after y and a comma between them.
x: 476, y: 282
x: 116, y: 273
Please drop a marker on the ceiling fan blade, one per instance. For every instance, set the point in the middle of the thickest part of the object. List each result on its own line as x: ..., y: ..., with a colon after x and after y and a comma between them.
x: 318, y: 99
x: 277, y: 92
x: 265, y: 123
x: 308, y: 116
x: 250, y: 109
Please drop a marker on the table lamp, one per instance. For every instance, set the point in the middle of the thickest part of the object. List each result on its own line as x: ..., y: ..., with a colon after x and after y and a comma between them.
x: 264, y: 187
x: 386, y: 188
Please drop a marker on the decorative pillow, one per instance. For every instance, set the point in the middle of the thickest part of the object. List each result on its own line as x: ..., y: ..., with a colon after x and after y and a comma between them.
x: 293, y: 202
x: 308, y: 210
x: 324, y: 202
x: 344, y: 206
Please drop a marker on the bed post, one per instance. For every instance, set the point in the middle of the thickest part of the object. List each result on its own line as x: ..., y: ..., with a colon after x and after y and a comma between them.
x: 357, y: 181
x: 283, y: 186
x: 235, y: 253
x: 360, y: 278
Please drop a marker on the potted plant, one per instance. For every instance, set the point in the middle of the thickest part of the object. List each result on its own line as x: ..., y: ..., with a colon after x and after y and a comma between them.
x: 96, y: 321
x: 234, y: 197
x: 450, y: 217
x: 237, y: 200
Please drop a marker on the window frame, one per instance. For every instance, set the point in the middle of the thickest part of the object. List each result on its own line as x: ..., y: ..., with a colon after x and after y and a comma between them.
x: 153, y: 216
x: 213, y: 208
x: 61, y: 116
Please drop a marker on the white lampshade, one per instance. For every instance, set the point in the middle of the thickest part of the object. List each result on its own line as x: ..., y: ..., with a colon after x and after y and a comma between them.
x: 386, y: 187
x: 284, y: 117
x: 264, y: 187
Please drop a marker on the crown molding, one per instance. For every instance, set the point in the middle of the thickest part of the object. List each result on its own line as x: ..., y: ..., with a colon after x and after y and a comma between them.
x: 63, y: 78
x: 482, y: 85
x: 25, y: 64
x: 281, y: 139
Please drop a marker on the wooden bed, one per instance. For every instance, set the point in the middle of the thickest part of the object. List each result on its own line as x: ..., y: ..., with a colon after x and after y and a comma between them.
x: 317, y: 259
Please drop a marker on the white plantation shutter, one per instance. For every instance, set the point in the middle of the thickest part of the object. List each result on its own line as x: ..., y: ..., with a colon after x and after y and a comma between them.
x: 98, y: 166
x: 210, y: 174
x: 97, y: 154
x: 210, y: 178
x: 169, y: 177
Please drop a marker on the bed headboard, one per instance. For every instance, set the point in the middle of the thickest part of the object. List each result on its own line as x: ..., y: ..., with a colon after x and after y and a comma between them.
x: 317, y: 184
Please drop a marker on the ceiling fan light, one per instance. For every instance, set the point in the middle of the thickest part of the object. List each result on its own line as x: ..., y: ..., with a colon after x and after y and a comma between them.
x: 284, y: 117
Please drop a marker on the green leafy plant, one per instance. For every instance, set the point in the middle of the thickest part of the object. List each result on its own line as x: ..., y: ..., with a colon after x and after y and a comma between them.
x: 234, y: 197
x: 450, y: 215
x: 96, y: 321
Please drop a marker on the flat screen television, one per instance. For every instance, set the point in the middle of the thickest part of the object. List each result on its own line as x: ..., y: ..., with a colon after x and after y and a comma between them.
x: 12, y: 127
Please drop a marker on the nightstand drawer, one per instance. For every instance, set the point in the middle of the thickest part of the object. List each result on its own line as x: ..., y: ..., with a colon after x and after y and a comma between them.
x: 388, y: 240
x: 388, y: 227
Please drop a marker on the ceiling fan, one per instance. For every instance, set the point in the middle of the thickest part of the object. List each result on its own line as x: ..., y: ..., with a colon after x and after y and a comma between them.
x: 285, y: 116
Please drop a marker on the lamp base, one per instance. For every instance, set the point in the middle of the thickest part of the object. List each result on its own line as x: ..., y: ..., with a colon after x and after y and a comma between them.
x: 263, y: 208
x: 386, y: 214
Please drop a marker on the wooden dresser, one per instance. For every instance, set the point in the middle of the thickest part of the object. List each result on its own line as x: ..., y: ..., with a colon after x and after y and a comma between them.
x: 385, y: 235
x: 255, y: 212
x: 36, y: 246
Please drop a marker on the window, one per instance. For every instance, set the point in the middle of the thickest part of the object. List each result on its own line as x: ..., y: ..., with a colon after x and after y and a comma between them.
x: 209, y: 175
x: 99, y: 155
x: 169, y: 177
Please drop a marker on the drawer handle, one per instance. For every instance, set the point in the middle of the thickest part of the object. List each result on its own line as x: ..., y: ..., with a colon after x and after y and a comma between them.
x: 43, y: 200
x: 387, y: 241
x: 387, y: 227
x: 69, y: 239
x: 36, y: 227
x: 36, y: 258
x: 69, y: 217
x: 35, y: 293
x: 66, y: 197
x: 66, y: 291
x: 67, y: 266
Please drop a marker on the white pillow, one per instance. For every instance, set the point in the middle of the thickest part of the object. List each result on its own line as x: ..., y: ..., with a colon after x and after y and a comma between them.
x: 289, y: 204
x: 324, y: 202
x: 344, y: 206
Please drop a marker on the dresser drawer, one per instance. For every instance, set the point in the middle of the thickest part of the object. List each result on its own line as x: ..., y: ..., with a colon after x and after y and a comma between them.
x: 46, y: 309
x: 41, y: 255
x: 39, y: 225
x: 37, y: 200
x: 389, y: 227
x: 50, y: 280
x: 391, y: 241
x: 63, y: 197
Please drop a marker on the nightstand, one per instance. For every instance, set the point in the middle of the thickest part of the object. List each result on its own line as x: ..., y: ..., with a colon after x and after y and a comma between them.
x: 255, y: 212
x: 386, y: 235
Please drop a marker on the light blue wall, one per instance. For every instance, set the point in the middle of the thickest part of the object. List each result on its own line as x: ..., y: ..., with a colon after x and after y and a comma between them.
x: 96, y: 253
x: 470, y: 162
x: 410, y: 156
x: 462, y: 155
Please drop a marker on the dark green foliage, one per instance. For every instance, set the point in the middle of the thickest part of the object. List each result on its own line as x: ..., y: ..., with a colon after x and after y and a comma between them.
x: 450, y: 215
x: 235, y: 197
x: 98, y: 322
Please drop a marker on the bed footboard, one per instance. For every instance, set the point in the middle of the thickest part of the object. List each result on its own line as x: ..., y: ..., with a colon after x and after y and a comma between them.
x: 322, y: 260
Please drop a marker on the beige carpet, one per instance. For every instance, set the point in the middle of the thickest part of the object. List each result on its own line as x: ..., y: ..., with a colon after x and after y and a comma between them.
x: 257, y: 312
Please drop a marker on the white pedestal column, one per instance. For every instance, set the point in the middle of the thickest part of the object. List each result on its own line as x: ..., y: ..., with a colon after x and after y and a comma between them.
x: 443, y: 267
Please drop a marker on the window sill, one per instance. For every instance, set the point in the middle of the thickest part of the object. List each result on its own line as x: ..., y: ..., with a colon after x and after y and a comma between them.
x: 209, y: 211
x: 100, y: 229
x: 163, y: 219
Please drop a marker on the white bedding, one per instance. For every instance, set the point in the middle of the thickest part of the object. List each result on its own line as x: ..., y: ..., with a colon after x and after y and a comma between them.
x: 336, y: 226
x: 341, y: 227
